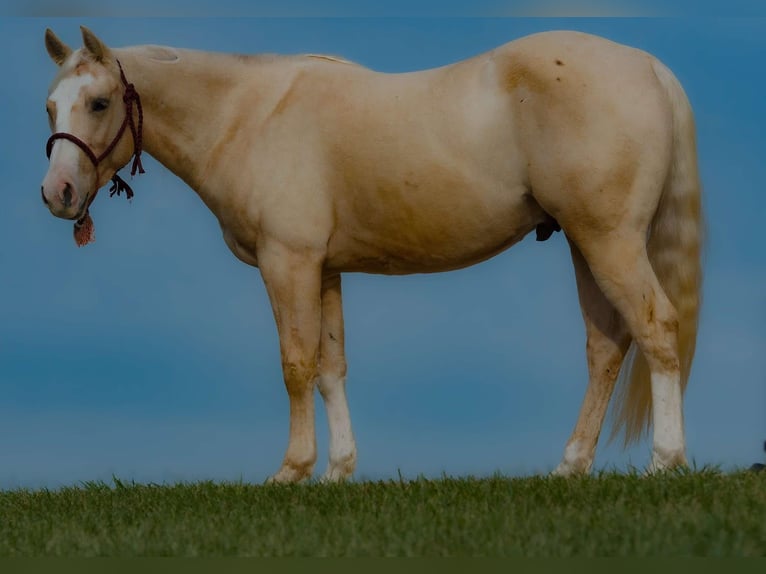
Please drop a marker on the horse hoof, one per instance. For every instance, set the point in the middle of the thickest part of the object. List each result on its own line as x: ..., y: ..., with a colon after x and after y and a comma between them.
x: 289, y: 474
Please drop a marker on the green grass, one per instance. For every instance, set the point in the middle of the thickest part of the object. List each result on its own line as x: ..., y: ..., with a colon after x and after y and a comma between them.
x: 691, y: 513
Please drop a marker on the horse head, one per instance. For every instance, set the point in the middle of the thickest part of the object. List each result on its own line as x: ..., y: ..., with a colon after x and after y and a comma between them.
x: 90, y: 104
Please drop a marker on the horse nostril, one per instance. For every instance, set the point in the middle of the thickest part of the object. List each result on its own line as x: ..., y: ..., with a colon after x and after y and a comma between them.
x: 42, y: 192
x: 67, y: 195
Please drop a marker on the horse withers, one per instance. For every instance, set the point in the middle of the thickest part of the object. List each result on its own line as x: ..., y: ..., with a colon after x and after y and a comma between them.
x: 315, y: 166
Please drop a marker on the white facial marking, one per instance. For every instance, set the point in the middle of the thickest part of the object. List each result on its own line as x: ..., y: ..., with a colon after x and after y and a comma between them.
x: 65, y: 96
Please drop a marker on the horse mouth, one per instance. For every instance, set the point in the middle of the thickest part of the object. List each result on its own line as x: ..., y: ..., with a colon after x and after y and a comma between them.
x: 82, y: 211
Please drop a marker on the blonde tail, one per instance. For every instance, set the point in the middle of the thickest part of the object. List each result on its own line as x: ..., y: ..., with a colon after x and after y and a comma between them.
x: 675, y: 251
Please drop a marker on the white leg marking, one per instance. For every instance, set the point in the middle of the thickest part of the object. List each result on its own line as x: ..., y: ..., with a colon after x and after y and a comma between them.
x: 669, y: 445
x: 342, y: 445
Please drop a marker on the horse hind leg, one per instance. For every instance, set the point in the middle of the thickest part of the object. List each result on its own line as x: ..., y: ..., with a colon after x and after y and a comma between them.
x: 607, y: 342
x: 621, y: 268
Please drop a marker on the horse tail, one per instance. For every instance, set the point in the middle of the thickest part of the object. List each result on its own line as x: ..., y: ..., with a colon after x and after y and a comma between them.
x: 675, y: 250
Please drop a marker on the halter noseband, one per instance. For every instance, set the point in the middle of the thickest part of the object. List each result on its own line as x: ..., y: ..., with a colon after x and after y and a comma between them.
x: 118, y: 184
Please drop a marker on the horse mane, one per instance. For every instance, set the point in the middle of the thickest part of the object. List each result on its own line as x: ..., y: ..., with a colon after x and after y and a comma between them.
x: 157, y: 53
x: 273, y: 57
x: 167, y: 54
x: 337, y: 59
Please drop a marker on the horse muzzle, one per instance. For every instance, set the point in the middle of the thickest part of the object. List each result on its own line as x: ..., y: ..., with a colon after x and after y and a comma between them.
x: 63, y: 200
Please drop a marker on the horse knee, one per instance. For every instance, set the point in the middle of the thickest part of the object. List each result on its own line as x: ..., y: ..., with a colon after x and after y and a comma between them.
x: 299, y: 373
x: 332, y: 374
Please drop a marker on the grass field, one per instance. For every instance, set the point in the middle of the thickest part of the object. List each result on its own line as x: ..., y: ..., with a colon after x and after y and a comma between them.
x: 695, y: 513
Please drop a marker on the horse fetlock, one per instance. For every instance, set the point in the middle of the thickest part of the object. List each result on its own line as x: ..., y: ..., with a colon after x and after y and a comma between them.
x: 573, y: 467
x: 340, y: 469
x: 666, y: 458
x: 293, y: 471
x: 578, y: 459
x: 342, y: 464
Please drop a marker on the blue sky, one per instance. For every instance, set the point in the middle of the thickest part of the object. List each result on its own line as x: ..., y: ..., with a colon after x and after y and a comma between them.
x: 398, y: 8
x: 152, y: 353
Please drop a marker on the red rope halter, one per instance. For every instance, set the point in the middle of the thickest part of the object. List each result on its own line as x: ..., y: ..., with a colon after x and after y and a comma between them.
x: 136, y: 129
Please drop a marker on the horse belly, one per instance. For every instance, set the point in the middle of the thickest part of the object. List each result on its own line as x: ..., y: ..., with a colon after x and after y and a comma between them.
x: 448, y: 232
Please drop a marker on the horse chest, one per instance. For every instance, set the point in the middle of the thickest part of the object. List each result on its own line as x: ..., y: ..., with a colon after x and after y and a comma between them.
x: 243, y: 252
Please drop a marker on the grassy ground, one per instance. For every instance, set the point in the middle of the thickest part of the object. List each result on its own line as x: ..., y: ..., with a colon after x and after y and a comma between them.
x: 703, y: 513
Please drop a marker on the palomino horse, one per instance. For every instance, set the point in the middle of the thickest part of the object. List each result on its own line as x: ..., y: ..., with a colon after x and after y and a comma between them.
x: 315, y: 166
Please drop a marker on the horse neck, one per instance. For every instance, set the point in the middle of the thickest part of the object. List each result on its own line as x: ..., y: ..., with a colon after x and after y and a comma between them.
x: 184, y: 101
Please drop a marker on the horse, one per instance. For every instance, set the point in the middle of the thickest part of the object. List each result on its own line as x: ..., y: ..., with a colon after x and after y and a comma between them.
x: 316, y: 166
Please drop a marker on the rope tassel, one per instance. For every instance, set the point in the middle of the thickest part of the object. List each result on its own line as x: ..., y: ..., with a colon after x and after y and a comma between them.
x: 84, y: 231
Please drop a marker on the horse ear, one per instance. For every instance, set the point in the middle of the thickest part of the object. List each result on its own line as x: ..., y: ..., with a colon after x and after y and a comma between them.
x: 57, y: 50
x: 93, y: 45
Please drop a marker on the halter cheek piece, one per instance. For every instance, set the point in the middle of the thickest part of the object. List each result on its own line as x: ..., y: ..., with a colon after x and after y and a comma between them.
x: 136, y: 129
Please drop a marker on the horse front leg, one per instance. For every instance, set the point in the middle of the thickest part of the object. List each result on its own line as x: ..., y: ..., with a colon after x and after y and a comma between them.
x: 293, y: 281
x: 332, y: 383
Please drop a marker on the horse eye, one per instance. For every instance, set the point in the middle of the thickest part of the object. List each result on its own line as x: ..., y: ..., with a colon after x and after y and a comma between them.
x: 99, y: 104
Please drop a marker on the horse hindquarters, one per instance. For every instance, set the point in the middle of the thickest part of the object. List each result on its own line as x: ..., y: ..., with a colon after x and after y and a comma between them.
x: 654, y: 284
